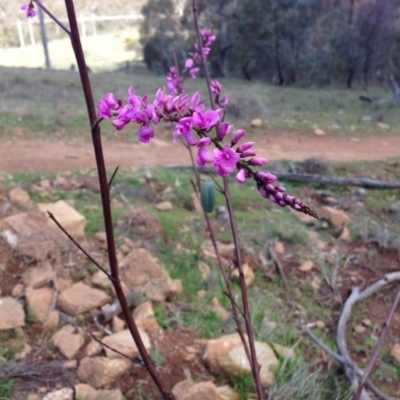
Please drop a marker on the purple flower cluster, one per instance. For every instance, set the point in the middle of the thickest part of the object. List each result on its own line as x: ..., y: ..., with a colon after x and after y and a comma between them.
x: 198, y: 127
x: 29, y: 8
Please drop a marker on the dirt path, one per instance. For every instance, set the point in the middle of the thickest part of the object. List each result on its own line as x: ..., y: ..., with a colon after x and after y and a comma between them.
x: 40, y: 155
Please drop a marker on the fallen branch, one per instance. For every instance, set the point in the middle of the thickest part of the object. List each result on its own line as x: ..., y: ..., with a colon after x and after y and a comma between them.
x: 352, y: 371
x: 367, y: 183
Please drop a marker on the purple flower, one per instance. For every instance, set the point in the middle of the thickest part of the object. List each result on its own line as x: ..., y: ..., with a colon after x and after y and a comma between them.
x: 245, y: 146
x: 106, y: 105
x: 188, y: 63
x: 204, y: 156
x: 259, y: 162
x: 29, y: 8
x: 205, y: 121
x: 225, y: 161
x: 223, y: 129
x: 145, y: 134
x: 242, y: 175
x: 247, y: 153
x: 237, y: 136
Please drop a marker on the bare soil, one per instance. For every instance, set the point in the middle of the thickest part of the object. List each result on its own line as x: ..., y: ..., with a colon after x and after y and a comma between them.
x: 48, y: 155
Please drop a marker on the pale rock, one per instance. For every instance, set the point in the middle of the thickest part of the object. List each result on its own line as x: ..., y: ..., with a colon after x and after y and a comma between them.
x: 164, y: 206
x: 219, y: 310
x: 34, y: 396
x: 283, y: 351
x: 118, y: 324
x: 366, y: 322
x: 18, y: 290
x: 359, y: 329
x: 124, y: 343
x: 68, y: 341
x: 315, y: 240
x: 338, y: 218
x: 201, y: 293
x: 279, y: 248
x: 188, y: 353
x: 144, y: 317
x: 100, y: 279
x: 319, y: 132
x: 37, y: 277
x: 247, y: 272
x: 19, y: 197
x: 72, y: 221
x: 395, y: 352
x: 140, y: 271
x: 316, y: 282
x: 93, y: 348
x: 80, y: 298
x: 256, y: 123
x: 26, y: 350
x: 84, y: 391
x: 189, y: 390
x: 306, y: 266
x: 345, y: 235
x: 101, y: 239
x: 320, y: 324
x: 61, y: 394
x: 34, y: 240
x: 45, y: 184
x: 226, y: 251
x: 226, y: 355
x: 70, y: 364
x: 196, y: 204
x: 109, y: 395
x: 101, y: 371
x: 383, y: 126
x: 204, y: 269
x: 39, y: 302
x: 228, y: 393
x: 64, y: 283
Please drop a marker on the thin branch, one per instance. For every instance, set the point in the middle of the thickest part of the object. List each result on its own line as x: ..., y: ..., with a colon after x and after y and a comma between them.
x: 112, y: 177
x: 52, y: 217
x: 53, y: 17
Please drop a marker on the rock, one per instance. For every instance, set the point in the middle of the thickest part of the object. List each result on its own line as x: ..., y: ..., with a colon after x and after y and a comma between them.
x: 140, y: 271
x: 33, y: 396
x: 144, y: 317
x: 228, y: 393
x: 101, y: 239
x: 345, y: 235
x: 395, y: 352
x: 315, y: 239
x: 73, y: 222
x: 189, y: 390
x: 19, y: 197
x: 37, y: 277
x: 62, y: 394
x: 34, y: 240
x: 52, y: 321
x: 306, y: 266
x: 316, y: 282
x: 68, y: 341
x: 118, y: 324
x: 18, y: 290
x: 279, y: 248
x: 319, y: 132
x: 256, y: 123
x: 366, y: 322
x: 248, y: 274
x: 283, y: 351
x: 85, y: 392
x: 100, y: 279
x: 23, y: 352
x: 359, y: 329
x: 109, y: 395
x: 226, y: 251
x: 226, y: 355
x: 101, y: 371
x: 39, y: 302
x: 219, y: 310
x: 123, y: 342
x: 203, y: 268
x: 337, y: 218
x: 383, y: 126
x: 80, y: 298
x: 11, y: 314
x: 93, y: 348
x: 164, y: 206
x: 195, y: 203
x: 188, y: 353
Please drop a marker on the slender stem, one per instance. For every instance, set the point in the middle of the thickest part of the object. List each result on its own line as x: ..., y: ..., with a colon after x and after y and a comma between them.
x: 105, y: 197
x: 378, y: 346
x: 53, y: 17
x: 255, y: 367
x: 112, y: 177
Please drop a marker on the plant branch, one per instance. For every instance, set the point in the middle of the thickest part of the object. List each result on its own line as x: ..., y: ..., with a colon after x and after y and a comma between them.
x: 105, y: 197
x: 53, y: 17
